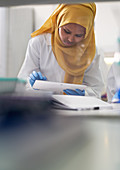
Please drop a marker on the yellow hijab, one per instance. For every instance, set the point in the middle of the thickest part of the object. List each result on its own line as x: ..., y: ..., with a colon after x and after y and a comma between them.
x: 73, y: 60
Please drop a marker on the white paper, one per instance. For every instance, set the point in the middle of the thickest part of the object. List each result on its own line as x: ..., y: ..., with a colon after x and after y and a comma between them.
x: 81, y: 102
x: 56, y: 87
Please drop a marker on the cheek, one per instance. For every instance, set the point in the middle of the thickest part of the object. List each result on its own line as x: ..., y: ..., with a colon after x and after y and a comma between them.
x: 77, y: 40
x: 62, y: 35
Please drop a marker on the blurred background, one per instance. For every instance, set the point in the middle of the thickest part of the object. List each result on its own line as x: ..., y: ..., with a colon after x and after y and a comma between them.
x: 18, y: 22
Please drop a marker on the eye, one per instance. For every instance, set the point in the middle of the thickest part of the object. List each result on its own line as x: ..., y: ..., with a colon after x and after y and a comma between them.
x: 66, y: 31
x: 79, y: 35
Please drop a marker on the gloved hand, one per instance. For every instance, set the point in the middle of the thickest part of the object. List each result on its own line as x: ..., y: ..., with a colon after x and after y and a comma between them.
x: 75, y: 92
x: 36, y: 76
x: 116, y: 97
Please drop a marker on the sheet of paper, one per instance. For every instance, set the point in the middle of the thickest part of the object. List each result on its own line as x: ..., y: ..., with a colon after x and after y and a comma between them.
x: 56, y: 87
x: 80, y: 102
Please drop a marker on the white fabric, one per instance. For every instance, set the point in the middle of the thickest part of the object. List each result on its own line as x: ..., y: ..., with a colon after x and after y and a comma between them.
x: 112, y: 81
x: 39, y: 57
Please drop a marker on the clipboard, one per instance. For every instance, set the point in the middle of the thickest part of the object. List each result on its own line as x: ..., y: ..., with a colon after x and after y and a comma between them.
x: 56, y: 87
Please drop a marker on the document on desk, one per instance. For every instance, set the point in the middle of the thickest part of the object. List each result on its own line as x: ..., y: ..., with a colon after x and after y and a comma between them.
x: 56, y: 87
x: 79, y: 102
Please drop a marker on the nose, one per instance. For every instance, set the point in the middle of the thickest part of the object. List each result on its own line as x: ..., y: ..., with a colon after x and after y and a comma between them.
x: 71, y: 38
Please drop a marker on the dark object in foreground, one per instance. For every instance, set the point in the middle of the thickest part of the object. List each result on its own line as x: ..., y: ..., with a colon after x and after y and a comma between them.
x: 16, y: 109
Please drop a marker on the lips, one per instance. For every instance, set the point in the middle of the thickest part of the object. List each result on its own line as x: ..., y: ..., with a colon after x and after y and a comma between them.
x: 68, y: 43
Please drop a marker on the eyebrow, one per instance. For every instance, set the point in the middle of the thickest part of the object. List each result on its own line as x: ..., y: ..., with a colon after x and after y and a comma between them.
x: 81, y: 34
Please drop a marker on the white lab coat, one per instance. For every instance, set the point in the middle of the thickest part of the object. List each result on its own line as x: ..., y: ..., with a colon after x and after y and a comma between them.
x: 112, y: 81
x: 40, y: 57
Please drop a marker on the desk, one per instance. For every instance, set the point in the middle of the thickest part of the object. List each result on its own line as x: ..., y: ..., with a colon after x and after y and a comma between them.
x: 87, y: 142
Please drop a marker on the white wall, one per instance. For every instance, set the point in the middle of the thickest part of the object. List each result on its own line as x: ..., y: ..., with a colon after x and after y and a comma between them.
x: 20, y: 28
x: 3, y: 40
x: 107, y: 26
x: 41, y: 14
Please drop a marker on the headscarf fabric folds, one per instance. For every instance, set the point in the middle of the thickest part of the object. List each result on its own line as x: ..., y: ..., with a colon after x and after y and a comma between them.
x: 73, y: 60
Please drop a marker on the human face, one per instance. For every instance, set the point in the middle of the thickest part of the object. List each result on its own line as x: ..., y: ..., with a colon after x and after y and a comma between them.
x: 71, y: 34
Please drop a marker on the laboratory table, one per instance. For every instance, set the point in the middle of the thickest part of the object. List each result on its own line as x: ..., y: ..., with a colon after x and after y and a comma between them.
x: 66, y: 140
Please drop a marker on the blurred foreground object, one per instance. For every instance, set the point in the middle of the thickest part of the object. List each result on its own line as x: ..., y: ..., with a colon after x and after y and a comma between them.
x: 62, y: 143
x: 10, y: 85
x: 33, y: 135
x: 22, y: 107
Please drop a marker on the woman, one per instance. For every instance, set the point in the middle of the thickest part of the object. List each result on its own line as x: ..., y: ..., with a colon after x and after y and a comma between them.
x: 63, y: 49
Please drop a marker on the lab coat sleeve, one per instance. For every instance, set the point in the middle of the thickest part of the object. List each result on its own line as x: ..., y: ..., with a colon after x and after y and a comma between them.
x: 32, y: 58
x: 93, y: 78
x: 111, y: 84
x: 31, y: 61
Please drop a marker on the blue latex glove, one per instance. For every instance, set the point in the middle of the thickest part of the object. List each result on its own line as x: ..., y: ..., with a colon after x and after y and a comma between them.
x: 75, y: 92
x: 116, y: 97
x: 36, y: 76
